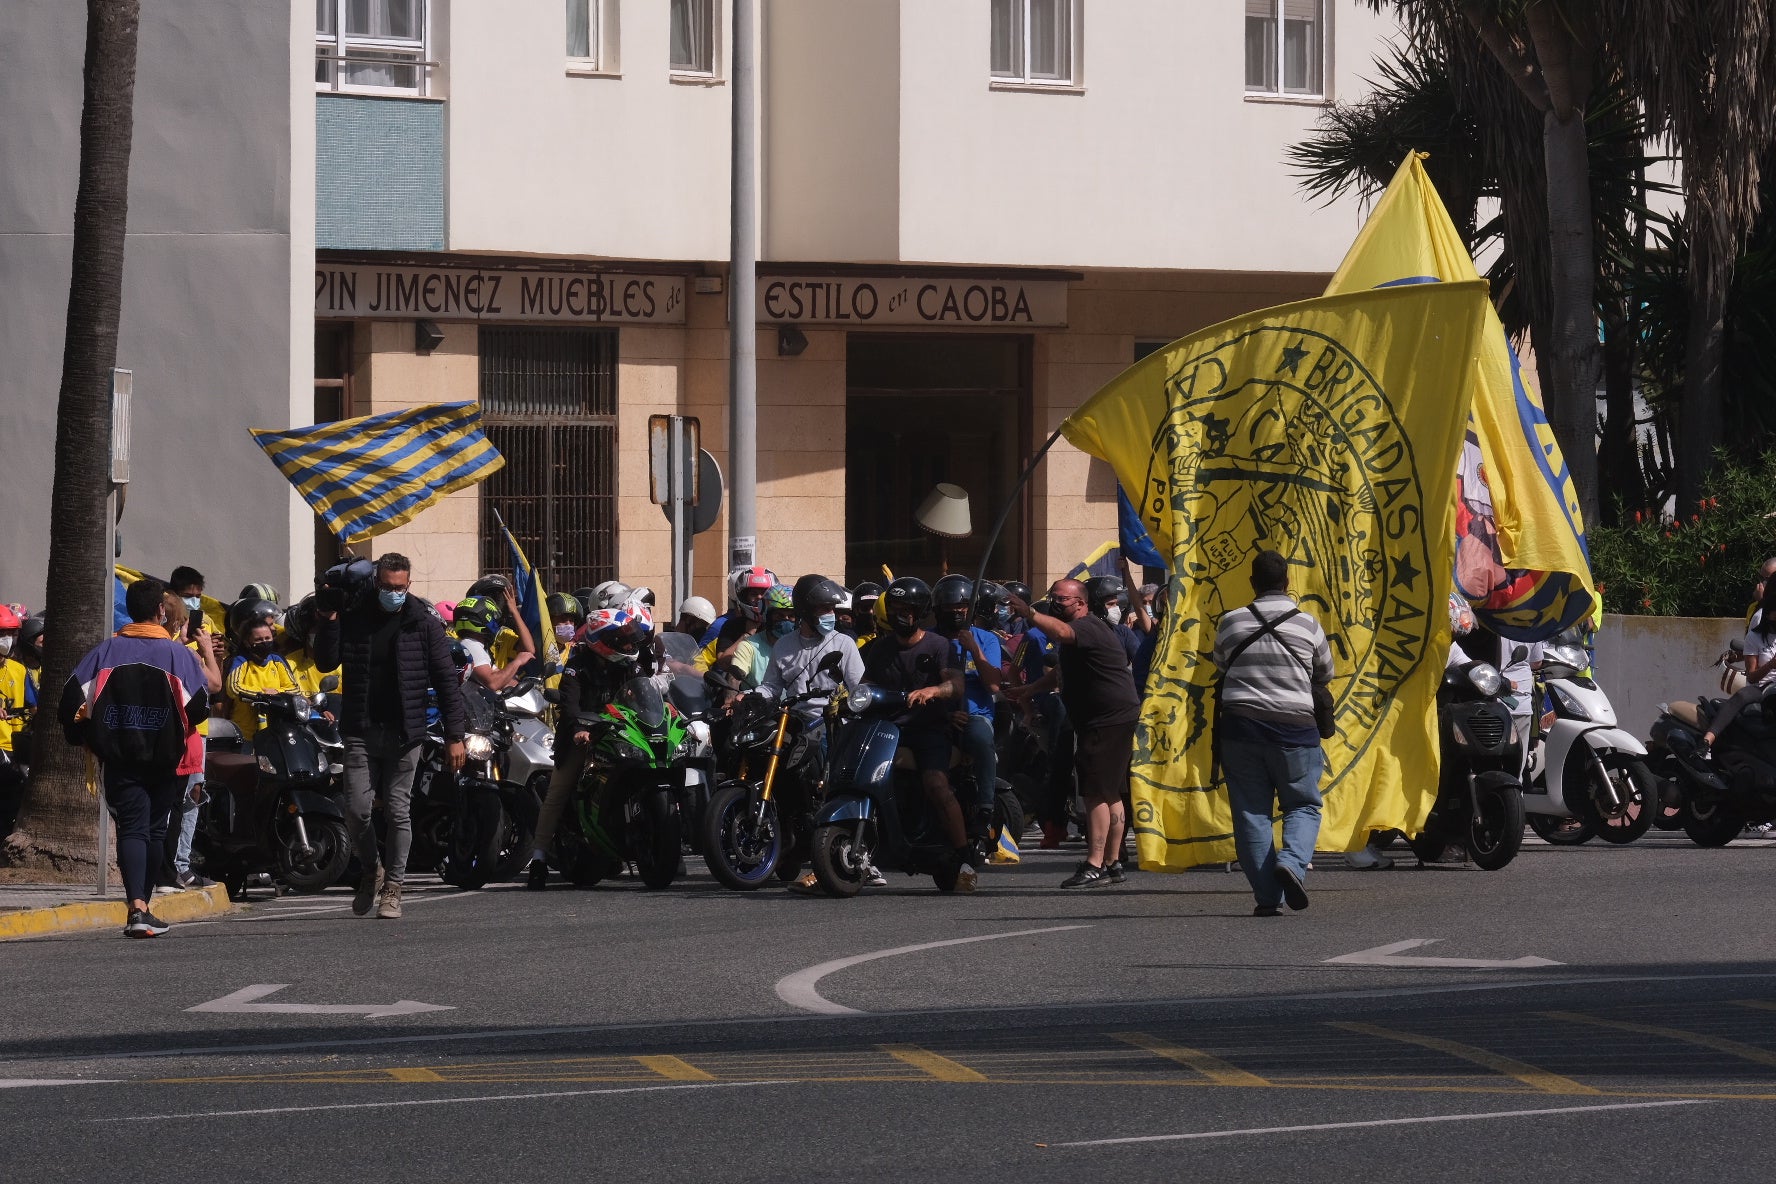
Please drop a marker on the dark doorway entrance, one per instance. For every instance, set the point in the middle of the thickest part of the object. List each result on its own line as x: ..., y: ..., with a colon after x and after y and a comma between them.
x: 920, y: 410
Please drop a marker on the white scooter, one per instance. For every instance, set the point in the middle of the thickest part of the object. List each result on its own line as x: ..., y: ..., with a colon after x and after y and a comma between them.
x: 1587, y: 776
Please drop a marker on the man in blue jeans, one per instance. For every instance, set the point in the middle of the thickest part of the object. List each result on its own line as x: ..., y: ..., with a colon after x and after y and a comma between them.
x: 1270, y: 654
x: 978, y: 654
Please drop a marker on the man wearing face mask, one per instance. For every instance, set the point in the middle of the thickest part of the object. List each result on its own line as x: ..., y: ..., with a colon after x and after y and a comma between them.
x: 1107, y: 596
x: 796, y: 656
x: 392, y: 651
x: 977, y: 652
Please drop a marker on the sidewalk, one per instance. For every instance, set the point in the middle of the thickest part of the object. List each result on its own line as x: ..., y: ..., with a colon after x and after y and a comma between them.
x: 37, y: 910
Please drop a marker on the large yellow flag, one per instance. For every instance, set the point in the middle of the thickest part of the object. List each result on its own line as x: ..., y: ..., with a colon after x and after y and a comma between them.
x: 1520, y: 555
x: 1326, y: 430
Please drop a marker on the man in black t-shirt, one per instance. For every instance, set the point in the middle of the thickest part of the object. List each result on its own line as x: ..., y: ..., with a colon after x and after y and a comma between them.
x: 1101, y: 702
x: 923, y: 667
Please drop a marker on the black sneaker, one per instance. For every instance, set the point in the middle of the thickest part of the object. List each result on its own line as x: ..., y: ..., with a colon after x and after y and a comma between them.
x: 143, y: 923
x: 1267, y: 910
x: 1089, y: 875
x: 536, y: 877
x: 1294, y: 891
x: 1115, y: 872
x: 193, y: 880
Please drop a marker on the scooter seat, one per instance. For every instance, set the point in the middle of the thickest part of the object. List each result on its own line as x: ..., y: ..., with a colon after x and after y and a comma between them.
x: 232, y: 769
x: 1689, y: 714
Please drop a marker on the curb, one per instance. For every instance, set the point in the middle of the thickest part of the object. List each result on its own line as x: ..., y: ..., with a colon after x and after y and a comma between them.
x: 189, y: 905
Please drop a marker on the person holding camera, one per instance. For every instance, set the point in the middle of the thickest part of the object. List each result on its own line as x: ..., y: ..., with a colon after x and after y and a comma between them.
x: 393, y: 652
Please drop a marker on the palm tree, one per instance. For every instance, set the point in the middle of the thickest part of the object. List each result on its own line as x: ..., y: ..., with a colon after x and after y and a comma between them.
x: 1707, y: 71
x: 55, y: 827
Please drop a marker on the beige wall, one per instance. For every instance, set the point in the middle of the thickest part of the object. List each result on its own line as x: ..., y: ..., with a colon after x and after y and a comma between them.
x: 633, y: 167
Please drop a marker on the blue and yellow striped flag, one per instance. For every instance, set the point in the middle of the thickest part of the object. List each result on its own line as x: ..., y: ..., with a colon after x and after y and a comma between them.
x: 369, y: 475
x: 533, y: 605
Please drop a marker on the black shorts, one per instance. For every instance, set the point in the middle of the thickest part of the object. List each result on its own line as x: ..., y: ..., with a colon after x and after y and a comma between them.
x: 930, y: 745
x: 1101, y: 756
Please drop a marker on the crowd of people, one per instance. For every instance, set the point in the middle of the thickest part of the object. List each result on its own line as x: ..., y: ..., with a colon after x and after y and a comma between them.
x: 994, y: 671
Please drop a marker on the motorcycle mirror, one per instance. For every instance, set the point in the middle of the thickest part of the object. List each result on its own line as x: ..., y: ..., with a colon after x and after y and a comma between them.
x: 1518, y: 654
x: 830, y: 663
x: 330, y: 683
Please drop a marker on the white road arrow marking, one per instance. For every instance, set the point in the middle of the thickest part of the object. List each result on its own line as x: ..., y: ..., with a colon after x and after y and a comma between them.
x: 242, y: 1003
x: 1391, y: 955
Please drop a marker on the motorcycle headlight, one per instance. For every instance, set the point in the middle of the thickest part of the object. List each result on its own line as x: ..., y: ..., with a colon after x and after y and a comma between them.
x: 301, y: 708
x: 1485, y: 678
x: 547, y: 740
x: 1566, y: 655
x: 1569, y: 703
x: 478, y: 745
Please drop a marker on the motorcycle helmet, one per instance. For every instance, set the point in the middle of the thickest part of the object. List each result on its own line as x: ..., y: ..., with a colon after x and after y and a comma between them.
x: 864, y: 597
x: 446, y: 611
x: 617, y: 634
x: 992, y: 605
x: 815, y: 595
x: 951, y: 597
x: 611, y: 594
x: 492, y: 585
x: 1019, y: 589
x: 477, y: 615
x: 780, y: 612
x: 29, y: 645
x: 646, y: 596
x: 299, y: 622
x: 563, y: 607
x: 259, y: 592
x: 584, y: 596
x: 243, y: 613
x: 8, y: 618
x: 905, y: 603
x: 698, y: 609
x: 1102, y: 593
x: 747, y: 589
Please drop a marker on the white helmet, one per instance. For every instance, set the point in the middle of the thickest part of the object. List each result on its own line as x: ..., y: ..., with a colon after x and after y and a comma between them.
x: 610, y: 594
x: 698, y: 607
x: 645, y: 595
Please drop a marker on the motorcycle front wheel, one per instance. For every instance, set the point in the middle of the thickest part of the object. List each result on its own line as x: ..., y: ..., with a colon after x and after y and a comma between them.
x: 1709, y: 826
x: 1562, y: 832
x: 741, y: 845
x: 837, y: 865
x: 657, y: 844
x: 474, y: 847
x: 320, y: 870
x: 1630, y: 782
x: 1495, y: 829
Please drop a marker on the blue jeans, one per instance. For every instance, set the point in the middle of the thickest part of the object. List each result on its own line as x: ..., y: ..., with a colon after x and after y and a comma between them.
x: 1258, y: 777
x: 976, y: 740
x: 188, y: 822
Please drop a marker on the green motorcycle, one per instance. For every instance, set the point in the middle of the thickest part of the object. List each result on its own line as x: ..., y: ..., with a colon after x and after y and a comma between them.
x: 644, y: 776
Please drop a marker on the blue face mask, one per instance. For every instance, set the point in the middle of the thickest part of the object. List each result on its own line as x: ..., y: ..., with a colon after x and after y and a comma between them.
x: 390, y: 600
x: 826, y: 623
x: 780, y: 629
x: 1002, y: 617
x: 194, y: 603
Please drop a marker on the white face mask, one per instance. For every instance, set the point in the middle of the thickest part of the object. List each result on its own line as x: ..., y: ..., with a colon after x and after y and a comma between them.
x: 1113, y: 614
x: 6, y: 646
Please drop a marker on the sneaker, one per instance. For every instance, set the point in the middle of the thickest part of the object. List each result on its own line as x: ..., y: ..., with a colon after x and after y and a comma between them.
x: 967, y: 879
x: 1115, y: 872
x: 872, y: 876
x: 1367, y: 859
x: 1294, y: 891
x: 1088, y: 875
x: 389, y: 909
x: 143, y: 923
x: 536, y: 876
x: 369, y: 885
x: 168, y: 889
x: 193, y: 880
x: 1267, y: 910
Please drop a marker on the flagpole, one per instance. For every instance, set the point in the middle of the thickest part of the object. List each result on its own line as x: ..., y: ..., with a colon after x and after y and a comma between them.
x: 999, y: 522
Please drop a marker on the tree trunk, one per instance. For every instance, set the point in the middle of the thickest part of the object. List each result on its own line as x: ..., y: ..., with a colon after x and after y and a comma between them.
x: 1701, y: 415
x: 1619, y: 483
x: 56, y: 828
x: 1573, y: 354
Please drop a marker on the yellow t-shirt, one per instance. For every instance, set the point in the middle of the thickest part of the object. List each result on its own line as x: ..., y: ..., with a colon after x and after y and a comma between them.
x: 245, y: 676
x: 302, y: 665
x: 18, y: 692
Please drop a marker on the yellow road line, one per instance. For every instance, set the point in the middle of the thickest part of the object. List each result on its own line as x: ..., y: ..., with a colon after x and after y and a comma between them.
x: 938, y: 1068
x: 1732, y: 1048
x: 1212, y: 1067
x: 1540, y: 1079
x: 674, y: 1069
x: 415, y: 1075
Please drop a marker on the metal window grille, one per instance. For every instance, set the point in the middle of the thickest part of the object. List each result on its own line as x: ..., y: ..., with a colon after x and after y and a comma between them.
x: 549, y: 402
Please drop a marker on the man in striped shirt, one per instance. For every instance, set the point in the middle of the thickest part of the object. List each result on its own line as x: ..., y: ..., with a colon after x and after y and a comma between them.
x: 1270, y: 655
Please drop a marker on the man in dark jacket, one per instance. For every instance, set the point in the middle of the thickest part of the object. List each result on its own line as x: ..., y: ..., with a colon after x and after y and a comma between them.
x: 394, y: 651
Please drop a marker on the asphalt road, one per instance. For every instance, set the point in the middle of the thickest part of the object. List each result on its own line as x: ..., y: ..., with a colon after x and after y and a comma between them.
x: 1154, y: 1031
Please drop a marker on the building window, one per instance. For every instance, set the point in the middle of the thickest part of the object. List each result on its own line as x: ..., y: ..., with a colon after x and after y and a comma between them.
x: 549, y: 404
x: 371, y: 45
x: 1033, y: 41
x: 693, y: 37
x: 582, y: 32
x: 1286, y: 47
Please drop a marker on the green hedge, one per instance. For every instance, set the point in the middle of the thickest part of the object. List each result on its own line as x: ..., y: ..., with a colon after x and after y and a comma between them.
x: 1701, y: 563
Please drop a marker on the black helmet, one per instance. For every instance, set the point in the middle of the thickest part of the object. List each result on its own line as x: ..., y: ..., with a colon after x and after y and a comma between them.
x: 492, y: 585
x: 953, y: 591
x: 865, y: 595
x: 908, y: 594
x: 1018, y: 589
x: 30, y: 639
x: 585, y: 597
x: 1101, y: 590
x: 244, y: 614
x: 477, y: 614
x: 299, y: 621
x: 815, y: 595
x: 989, y: 598
x: 563, y: 607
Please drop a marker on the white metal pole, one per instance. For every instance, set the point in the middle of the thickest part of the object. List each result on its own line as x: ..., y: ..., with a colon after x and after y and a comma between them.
x: 675, y: 492
x: 742, y: 280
